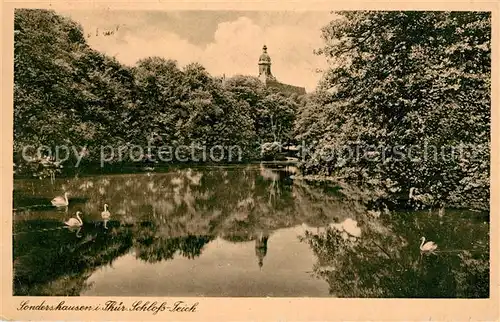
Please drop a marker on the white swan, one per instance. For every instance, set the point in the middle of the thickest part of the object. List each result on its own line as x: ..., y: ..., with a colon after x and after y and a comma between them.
x: 427, y: 247
x: 105, y: 214
x: 60, y: 201
x: 75, y: 222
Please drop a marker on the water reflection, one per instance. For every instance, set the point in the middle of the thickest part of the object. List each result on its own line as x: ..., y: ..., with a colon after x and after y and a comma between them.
x: 386, y: 261
x: 232, y: 231
x: 261, y: 247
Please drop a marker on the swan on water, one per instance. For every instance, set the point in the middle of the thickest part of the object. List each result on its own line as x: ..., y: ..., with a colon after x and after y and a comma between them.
x: 60, y: 201
x: 75, y: 222
x: 427, y: 247
x: 105, y: 214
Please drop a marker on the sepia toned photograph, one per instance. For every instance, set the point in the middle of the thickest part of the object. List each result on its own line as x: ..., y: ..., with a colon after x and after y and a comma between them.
x: 196, y: 153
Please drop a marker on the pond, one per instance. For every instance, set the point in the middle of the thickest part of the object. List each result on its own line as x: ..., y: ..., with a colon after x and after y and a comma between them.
x: 241, y: 230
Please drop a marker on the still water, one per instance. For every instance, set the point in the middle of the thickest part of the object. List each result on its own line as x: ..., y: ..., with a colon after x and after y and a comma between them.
x: 249, y: 230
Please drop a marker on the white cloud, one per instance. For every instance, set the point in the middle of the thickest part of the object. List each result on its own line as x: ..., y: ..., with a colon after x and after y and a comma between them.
x: 238, y: 45
x: 235, y: 48
x: 129, y: 45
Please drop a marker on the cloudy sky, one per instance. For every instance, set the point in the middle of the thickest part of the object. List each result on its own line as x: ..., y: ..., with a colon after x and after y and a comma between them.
x: 225, y: 42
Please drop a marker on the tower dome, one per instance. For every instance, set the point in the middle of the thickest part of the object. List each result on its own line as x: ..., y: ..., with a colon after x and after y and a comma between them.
x: 264, y: 57
x: 265, y: 66
x: 266, y: 76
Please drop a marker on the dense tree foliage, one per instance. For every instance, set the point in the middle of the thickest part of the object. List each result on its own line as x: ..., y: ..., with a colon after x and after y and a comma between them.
x: 65, y: 93
x: 400, y: 84
x: 187, y: 107
x: 273, y: 112
x: 68, y: 94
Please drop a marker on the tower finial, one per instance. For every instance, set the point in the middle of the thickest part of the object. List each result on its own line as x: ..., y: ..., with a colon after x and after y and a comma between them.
x: 265, y: 66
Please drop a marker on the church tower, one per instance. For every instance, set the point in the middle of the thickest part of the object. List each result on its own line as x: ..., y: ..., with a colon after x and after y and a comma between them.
x: 265, y: 66
x: 267, y: 78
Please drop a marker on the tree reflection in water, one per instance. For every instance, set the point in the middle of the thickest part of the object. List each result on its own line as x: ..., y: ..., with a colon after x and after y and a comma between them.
x: 261, y: 247
x: 178, y: 212
x: 153, y: 250
x: 384, y: 262
x: 60, y: 264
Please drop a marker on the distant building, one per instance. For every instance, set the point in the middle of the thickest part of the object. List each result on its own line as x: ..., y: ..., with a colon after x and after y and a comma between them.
x: 266, y: 76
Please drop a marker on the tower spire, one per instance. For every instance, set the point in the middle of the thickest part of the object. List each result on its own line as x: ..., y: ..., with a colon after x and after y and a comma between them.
x: 265, y: 66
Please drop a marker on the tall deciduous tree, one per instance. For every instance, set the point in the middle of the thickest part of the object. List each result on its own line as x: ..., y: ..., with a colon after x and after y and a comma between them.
x: 398, y: 79
x: 273, y: 113
x: 65, y: 93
